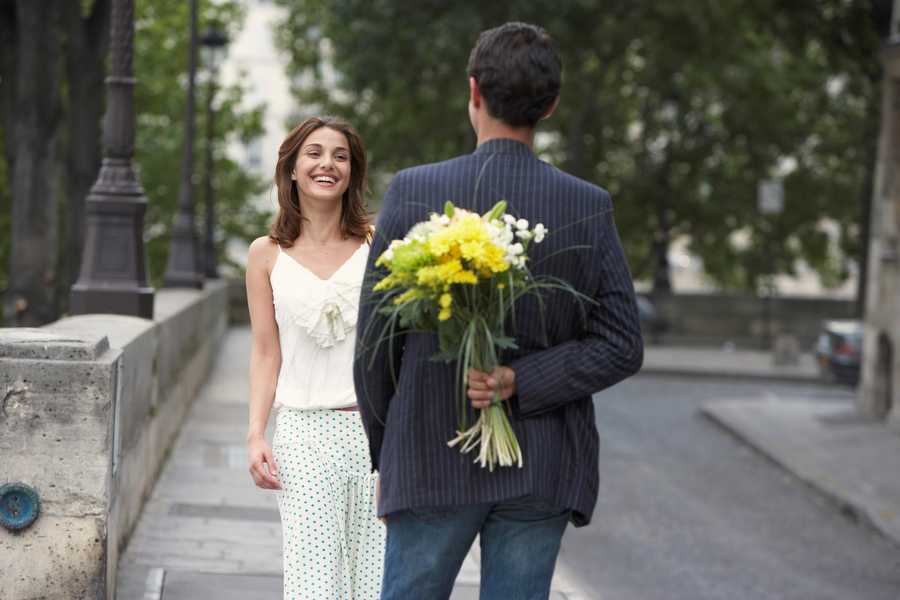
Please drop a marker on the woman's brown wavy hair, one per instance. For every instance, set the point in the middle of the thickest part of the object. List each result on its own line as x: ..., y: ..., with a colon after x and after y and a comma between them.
x: 288, y: 222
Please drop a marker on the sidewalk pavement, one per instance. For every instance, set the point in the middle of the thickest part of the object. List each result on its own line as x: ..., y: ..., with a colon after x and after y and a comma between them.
x: 853, y: 460
x: 206, y: 531
x: 726, y: 364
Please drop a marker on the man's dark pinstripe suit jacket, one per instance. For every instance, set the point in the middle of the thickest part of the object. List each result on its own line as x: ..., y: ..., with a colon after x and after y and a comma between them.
x: 560, y: 363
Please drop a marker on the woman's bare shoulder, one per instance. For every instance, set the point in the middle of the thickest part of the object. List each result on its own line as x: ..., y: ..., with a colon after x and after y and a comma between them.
x: 262, y: 251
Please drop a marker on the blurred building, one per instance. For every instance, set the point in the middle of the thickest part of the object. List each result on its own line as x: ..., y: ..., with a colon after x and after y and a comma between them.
x: 878, y: 395
x: 255, y: 61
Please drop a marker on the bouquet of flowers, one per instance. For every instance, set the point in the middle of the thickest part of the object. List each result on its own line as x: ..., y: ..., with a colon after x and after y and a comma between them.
x: 459, y: 274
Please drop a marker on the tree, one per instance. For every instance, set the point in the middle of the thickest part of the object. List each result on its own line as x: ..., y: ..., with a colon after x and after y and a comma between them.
x: 85, y: 31
x: 679, y: 109
x: 52, y: 64
x: 161, y: 39
x: 31, y: 111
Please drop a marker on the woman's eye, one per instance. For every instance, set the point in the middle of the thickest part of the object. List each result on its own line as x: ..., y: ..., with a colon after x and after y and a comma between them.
x: 340, y: 157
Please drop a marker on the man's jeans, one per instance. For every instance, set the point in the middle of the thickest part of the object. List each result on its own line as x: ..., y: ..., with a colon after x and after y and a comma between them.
x: 519, y: 544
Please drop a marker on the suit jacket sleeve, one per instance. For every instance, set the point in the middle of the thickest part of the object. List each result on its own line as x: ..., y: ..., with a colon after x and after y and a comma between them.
x: 376, y: 365
x: 610, y: 350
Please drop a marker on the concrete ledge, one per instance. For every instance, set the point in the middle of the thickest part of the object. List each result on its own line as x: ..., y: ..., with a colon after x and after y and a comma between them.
x: 89, y: 406
x: 27, y: 342
x: 735, y: 365
x: 854, y: 461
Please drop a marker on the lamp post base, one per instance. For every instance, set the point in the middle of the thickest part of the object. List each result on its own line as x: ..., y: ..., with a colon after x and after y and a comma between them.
x: 98, y: 298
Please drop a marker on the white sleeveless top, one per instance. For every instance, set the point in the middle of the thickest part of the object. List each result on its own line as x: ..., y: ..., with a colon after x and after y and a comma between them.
x: 317, y: 331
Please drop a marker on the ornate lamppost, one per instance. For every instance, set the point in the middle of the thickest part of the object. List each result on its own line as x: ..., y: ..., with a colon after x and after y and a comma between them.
x: 214, y: 42
x: 183, y: 267
x: 113, y: 276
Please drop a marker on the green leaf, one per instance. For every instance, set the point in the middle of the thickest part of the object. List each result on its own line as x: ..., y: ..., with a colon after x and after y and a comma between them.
x: 497, y: 211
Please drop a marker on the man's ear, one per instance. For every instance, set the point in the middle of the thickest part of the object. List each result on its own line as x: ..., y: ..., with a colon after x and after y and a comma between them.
x: 550, y: 110
x: 474, y: 94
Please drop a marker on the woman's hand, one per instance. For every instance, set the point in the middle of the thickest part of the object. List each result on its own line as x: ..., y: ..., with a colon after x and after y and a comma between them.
x: 262, y: 464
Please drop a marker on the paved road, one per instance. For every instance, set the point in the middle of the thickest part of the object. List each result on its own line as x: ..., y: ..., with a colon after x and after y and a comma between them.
x: 206, y: 531
x: 687, y: 511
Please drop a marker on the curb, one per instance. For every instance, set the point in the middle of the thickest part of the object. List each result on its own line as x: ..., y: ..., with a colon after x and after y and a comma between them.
x: 848, y: 506
x: 734, y: 375
x: 155, y: 582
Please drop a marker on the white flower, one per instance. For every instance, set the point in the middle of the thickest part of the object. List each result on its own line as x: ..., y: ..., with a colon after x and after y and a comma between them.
x: 524, y: 235
x: 509, y: 219
x: 539, y: 232
x: 521, y: 224
x: 516, y: 249
x: 445, y: 220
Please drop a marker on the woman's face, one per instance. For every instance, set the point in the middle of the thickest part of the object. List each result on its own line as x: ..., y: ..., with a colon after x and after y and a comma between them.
x: 322, y: 169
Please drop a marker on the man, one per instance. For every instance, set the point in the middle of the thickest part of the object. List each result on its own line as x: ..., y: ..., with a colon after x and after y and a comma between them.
x: 436, y: 500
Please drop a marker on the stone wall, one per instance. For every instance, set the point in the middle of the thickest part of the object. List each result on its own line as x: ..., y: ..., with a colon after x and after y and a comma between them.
x: 89, y: 407
x: 713, y: 319
x: 238, y: 312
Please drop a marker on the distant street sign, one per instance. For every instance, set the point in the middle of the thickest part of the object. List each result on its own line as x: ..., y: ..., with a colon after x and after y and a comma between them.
x: 770, y: 196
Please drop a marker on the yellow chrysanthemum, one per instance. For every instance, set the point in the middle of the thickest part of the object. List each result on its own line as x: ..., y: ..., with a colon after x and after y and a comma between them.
x: 446, y: 300
x: 473, y: 250
x: 467, y: 228
x: 494, y: 259
x: 444, y: 314
x: 443, y: 275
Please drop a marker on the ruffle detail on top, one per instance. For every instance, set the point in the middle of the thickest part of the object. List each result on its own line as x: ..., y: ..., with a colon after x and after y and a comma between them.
x: 328, y: 318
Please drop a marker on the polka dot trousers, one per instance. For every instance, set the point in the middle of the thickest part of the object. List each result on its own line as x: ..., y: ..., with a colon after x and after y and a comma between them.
x: 333, y: 542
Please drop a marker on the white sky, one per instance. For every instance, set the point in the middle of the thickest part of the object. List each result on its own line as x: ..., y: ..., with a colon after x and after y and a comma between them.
x: 252, y: 58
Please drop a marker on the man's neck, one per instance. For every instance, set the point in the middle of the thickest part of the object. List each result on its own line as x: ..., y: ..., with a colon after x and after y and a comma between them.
x: 493, y: 130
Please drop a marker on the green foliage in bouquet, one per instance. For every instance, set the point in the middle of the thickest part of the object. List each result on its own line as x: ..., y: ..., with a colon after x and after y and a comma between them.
x: 459, y: 275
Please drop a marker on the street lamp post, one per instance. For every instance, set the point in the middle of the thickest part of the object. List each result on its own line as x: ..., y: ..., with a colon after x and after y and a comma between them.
x: 183, y: 267
x: 214, y: 42
x: 770, y: 202
x: 113, y: 276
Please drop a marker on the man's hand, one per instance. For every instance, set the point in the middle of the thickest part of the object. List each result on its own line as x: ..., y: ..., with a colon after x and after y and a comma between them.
x: 483, y: 386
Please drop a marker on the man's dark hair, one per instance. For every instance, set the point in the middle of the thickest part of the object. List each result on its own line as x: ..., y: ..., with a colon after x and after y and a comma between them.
x: 518, y: 72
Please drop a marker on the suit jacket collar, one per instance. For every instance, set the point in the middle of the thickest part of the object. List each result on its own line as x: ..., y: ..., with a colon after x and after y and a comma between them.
x: 504, y: 146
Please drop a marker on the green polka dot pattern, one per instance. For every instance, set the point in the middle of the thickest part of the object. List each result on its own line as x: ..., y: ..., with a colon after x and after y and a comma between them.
x: 333, y: 541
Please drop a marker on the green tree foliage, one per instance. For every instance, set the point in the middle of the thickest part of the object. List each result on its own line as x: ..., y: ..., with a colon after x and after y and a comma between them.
x: 160, y: 64
x: 161, y: 39
x: 678, y: 108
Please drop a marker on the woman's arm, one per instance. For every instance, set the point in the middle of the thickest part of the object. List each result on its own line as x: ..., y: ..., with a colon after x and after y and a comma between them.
x: 265, y: 361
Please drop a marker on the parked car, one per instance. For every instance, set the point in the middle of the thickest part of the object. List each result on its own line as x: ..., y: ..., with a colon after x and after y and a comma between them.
x: 839, y: 351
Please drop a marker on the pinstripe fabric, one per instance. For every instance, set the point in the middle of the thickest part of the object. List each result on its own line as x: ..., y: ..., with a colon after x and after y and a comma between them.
x: 565, y: 353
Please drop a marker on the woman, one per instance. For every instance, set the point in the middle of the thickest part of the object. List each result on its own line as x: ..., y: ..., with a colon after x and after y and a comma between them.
x: 303, y: 284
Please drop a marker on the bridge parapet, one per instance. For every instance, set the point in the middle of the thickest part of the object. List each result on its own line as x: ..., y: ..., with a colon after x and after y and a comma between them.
x: 89, y: 407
